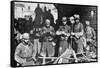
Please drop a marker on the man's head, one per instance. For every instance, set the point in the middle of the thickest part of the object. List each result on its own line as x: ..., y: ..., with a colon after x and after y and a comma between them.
x: 87, y: 23
x: 45, y: 8
x: 25, y: 37
x: 38, y: 5
x: 77, y: 18
x: 47, y: 22
x: 64, y: 20
x: 71, y: 19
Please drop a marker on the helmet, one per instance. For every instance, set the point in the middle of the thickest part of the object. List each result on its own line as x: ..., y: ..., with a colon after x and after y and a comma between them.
x: 25, y: 36
x: 71, y: 18
x: 64, y: 18
x: 87, y: 22
x: 77, y: 16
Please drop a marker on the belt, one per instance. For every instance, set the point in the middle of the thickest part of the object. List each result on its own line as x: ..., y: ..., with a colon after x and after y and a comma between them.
x: 26, y: 57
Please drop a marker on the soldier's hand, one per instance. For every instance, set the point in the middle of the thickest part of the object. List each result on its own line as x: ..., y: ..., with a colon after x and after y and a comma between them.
x: 53, y: 43
x: 72, y: 33
x: 68, y: 34
x: 37, y: 34
x: 63, y: 33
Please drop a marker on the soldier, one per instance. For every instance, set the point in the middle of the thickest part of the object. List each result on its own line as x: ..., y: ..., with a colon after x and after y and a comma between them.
x: 48, y: 33
x: 24, y: 53
x: 90, y: 33
x: 63, y: 31
x: 77, y: 31
x: 91, y: 40
x: 35, y: 37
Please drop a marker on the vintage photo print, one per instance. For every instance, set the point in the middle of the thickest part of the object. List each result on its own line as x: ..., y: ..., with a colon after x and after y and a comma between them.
x: 53, y: 33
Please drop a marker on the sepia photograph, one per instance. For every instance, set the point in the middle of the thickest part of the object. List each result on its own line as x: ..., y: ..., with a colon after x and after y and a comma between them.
x: 53, y: 33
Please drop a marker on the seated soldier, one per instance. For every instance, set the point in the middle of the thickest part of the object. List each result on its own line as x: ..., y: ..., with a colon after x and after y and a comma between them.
x: 24, y: 53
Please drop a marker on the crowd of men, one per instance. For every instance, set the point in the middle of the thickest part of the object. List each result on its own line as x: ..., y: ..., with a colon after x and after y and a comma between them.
x: 69, y: 43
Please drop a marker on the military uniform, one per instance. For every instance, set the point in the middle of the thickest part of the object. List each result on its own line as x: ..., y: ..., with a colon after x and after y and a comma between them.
x: 64, y: 39
x: 47, y: 45
x: 91, y: 42
x: 90, y: 33
x: 24, y: 54
x: 35, y: 36
x: 78, y: 29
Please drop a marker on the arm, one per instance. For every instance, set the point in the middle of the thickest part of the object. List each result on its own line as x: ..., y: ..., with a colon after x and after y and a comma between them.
x: 94, y: 34
x: 52, y: 31
x: 61, y: 31
x: 42, y: 31
x: 58, y: 32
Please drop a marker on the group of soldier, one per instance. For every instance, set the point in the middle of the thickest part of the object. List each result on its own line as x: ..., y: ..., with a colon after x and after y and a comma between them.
x: 74, y: 39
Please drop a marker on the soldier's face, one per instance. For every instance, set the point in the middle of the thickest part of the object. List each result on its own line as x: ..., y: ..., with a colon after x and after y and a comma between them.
x: 72, y: 21
x: 87, y: 23
x: 64, y: 20
x: 26, y: 41
x: 47, y: 22
x: 77, y: 20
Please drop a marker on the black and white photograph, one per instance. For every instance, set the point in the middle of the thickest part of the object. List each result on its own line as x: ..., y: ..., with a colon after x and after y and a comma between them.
x: 44, y: 33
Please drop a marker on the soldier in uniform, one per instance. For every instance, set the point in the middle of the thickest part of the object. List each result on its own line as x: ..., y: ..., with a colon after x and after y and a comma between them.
x: 24, y: 53
x: 77, y: 31
x: 63, y: 31
x: 35, y: 37
x: 48, y: 33
x: 91, y: 40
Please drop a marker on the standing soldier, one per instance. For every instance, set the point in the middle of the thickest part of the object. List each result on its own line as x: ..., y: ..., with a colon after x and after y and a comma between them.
x: 91, y: 40
x: 77, y: 32
x: 48, y: 33
x: 63, y: 31
x: 24, y: 53
x: 72, y: 36
x: 35, y: 31
x: 90, y: 33
x: 35, y: 37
